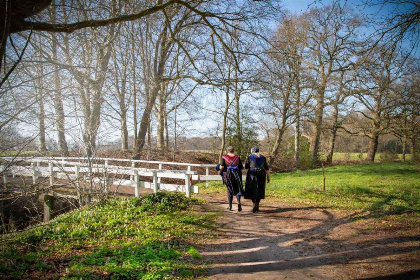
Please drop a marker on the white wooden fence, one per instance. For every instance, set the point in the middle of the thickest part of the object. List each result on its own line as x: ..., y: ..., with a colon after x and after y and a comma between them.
x: 74, y: 168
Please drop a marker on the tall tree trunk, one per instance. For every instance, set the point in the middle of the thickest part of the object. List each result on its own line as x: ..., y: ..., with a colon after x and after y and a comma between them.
x: 145, y: 122
x: 161, y: 120
x: 404, y: 146
x: 6, y: 16
x: 225, y: 114
x: 175, y: 124
x: 296, y: 156
x: 238, y: 115
x: 58, y: 98
x: 333, y: 135
x: 276, y: 147
x: 331, y: 145
x: 124, y: 131
x: 95, y: 117
x: 413, y: 148
x: 41, y: 115
x: 166, y: 132
x: 121, y: 91
x: 157, y: 86
x: 319, y: 111
x: 373, y: 147
x: 282, y: 127
x: 135, y: 124
x: 149, y: 135
x: 60, y: 117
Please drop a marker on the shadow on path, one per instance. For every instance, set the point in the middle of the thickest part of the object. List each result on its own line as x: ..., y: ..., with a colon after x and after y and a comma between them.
x: 305, y: 242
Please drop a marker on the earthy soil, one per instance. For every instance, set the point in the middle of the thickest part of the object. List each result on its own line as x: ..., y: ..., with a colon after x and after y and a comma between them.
x: 302, y: 242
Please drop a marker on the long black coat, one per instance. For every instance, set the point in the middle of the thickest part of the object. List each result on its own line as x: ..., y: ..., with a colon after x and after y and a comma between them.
x: 255, y: 177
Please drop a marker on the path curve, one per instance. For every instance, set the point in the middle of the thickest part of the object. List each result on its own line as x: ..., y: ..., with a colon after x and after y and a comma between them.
x: 289, y: 242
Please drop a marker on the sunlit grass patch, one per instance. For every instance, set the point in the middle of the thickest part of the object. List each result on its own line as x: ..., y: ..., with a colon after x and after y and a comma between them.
x: 382, y: 188
x: 141, y: 238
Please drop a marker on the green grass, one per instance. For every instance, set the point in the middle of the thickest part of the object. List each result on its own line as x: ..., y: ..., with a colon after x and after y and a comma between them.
x: 379, y: 189
x: 147, y: 238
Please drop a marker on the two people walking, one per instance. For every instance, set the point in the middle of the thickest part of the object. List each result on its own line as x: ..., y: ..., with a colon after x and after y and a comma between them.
x: 257, y: 175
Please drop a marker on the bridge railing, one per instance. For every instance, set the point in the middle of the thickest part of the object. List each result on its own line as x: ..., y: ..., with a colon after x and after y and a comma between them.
x: 74, y: 168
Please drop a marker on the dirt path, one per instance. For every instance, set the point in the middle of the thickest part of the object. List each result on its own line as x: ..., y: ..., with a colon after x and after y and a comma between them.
x: 284, y: 241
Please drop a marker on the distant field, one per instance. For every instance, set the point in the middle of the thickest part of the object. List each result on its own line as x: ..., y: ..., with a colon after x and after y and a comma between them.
x: 362, y: 156
x: 379, y: 188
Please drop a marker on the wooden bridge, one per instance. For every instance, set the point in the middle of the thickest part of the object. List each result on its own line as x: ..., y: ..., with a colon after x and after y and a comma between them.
x: 104, y: 172
x: 122, y: 172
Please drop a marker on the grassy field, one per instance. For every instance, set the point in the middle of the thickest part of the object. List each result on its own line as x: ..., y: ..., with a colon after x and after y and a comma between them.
x: 379, y: 189
x: 147, y: 238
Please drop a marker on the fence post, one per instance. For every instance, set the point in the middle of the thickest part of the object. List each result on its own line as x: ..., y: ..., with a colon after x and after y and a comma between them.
x: 207, y: 174
x: 137, y: 180
x: 155, y: 182
x: 133, y: 165
x: 35, y: 174
x: 76, y: 172
x: 48, y: 202
x: 160, y: 168
x: 188, y: 185
x: 105, y: 178
x: 79, y: 193
x: 51, y: 173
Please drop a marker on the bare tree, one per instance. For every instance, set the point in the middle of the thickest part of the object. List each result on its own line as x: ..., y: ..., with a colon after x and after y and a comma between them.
x: 39, y: 87
x: 287, y: 76
x: 406, y: 121
x: 340, y: 95
x: 377, y: 77
x: 331, y: 41
x: 58, y: 97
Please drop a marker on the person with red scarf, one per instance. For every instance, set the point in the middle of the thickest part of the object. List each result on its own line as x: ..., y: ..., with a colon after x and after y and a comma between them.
x: 231, y: 171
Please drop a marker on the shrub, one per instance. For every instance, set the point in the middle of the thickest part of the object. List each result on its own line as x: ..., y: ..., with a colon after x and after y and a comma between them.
x: 387, y: 156
x: 164, y: 201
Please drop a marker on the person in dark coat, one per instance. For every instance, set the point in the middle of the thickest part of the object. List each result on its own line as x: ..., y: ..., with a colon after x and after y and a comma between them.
x: 231, y: 172
x: 257, y: 174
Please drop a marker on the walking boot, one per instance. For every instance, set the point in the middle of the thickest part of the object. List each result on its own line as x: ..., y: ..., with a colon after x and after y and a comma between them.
x: 230, y: 207
x: 258, y: 207
x: 230, y: 199
x: 254, y: 208
x: 239, y: 207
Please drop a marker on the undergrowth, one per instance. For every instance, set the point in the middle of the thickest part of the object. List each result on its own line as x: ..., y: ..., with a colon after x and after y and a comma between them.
x: 150, y: 237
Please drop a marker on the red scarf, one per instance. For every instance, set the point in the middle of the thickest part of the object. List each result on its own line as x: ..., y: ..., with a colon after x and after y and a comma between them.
x: 231, y: 160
